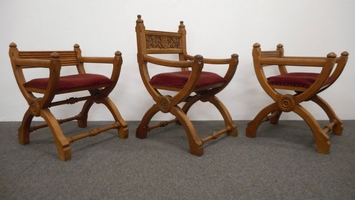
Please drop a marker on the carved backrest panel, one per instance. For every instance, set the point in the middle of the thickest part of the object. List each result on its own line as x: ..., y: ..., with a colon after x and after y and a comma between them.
x: 163, y: 42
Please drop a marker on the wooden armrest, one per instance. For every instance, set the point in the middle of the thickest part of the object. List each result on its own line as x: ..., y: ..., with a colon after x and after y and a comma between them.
x: 32, y: 63
x: 214, y: 60
x: 233, y: 62
x: 168, y: 63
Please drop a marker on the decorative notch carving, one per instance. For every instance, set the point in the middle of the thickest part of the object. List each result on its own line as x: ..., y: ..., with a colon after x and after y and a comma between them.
x: 162, y: 42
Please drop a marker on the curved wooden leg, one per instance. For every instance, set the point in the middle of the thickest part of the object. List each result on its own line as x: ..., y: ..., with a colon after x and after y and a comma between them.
x: 195, y: 142
x: 143, y: 126
x: 228, y: 121
x: 83, y: 115
x: 275, y: 117
x: 61, y: 141
x: 123, y: 129
x: 321, y: 138
x: 25, y: 128
x: 253, y: 126
x: 188, y: 105
x: 337, y: 129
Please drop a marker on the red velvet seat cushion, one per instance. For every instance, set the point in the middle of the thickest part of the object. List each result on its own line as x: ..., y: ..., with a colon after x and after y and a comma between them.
x: 179, y: 79
x: 298, y: 79
x: 71, y: 81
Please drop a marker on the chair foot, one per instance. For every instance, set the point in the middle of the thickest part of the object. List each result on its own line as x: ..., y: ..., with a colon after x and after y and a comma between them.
x: 323, y: 147
x: 251, y: 129
x: 63, y: 148
x: 64, y: 153
x: 141, y: 131
x: 338, y: 128
x: 197, y: 151
x: 233, y: 133
x: 82, y: 123
x: 23, y: 137
x: 123, y: 132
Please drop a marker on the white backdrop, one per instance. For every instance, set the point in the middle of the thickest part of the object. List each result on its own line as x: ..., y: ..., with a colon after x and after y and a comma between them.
x: 215, y: 29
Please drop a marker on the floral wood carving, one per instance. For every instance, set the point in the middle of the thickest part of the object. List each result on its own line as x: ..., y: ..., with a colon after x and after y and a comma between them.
x: 162, y: 42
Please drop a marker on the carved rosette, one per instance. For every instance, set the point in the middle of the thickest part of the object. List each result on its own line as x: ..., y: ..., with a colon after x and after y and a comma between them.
x: 286, y: 103
x: 34, y: 108
x: 162, y: 42
x: 165, y: 103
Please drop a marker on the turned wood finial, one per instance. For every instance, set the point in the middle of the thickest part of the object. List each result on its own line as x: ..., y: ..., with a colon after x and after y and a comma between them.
x: 280, y: 46
x: 235, y: 55
x: 198, y: 57
x: 55, y: 55
x: 344, y: 53
x: 12, y: 44
x: 118, y: 53
x: 331, y: 55
x: 181, y: 24
x: 76, y: 45
x: 256, y: 45
x: 139, y: 19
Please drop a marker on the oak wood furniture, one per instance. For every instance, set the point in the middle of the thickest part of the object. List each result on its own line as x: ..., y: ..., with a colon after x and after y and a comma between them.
x: 186, y: 79
x: 44, y: 92
x: 289, y: 89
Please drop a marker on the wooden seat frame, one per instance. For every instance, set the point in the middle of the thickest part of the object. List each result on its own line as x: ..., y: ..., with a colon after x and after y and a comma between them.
x: 189, y: 94
x: 39, y: 106
x: 331, y: 68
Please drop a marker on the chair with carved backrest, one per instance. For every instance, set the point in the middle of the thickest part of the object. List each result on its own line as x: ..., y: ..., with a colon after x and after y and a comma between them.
x: 188, y: 82
x: 41, y: 92
x: 299, y: 86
